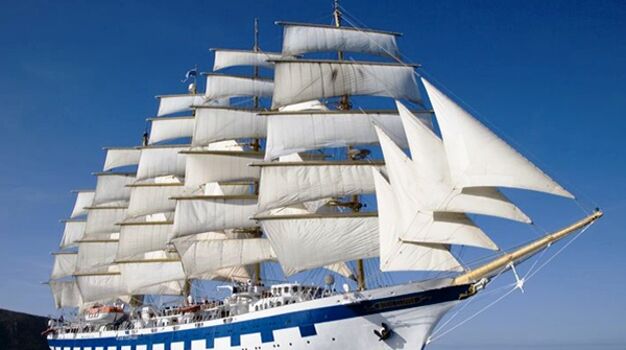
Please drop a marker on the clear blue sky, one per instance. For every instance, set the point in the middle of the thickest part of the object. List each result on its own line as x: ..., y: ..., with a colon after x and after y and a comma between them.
x: 551, y: 75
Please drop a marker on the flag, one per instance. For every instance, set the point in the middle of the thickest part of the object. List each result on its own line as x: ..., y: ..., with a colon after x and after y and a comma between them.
x: 192, y: 73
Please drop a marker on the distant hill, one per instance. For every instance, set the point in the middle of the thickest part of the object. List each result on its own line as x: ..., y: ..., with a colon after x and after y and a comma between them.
x: 19, y: 331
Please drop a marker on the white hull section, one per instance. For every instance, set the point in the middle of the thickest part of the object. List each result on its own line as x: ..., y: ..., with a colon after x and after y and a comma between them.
x: 345, y: 321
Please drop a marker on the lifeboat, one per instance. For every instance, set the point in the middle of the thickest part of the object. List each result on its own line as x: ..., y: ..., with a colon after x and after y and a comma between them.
x: 103, y: 314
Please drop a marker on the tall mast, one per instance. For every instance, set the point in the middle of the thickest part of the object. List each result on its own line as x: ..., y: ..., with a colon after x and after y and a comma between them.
x: 256, y: 145
x: 344, y: 105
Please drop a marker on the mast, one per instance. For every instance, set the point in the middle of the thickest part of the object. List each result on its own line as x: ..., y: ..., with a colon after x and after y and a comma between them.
x: 344, y: 105
x: 507, y: 260
x: 256, y: 145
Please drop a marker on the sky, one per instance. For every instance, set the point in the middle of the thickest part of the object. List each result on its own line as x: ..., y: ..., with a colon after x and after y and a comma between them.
x: 548, y: 76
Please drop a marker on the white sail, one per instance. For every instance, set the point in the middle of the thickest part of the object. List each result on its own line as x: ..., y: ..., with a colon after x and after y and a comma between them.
x: 111, y: 188
x: 95, y: 255
x: 100, y: 287
x: 431, y: 182
x: 234, y: 188
x: 205, y: 256
x: 213, y: 213
x: 64, y: 265
x: 65, y: 294
x: 170, y: 128
x: 328, y: 240
x: 311, y: 106
x: 477, y: 157
x: 153, y: 198
x: 225, y: 58
x: 84, y: 199
x: 139, y: 238
x: 304, y: 38
x: 120, y: 156
x: 397, y: 254
x: 170, y: 104
x: 160, y: 161
x: 217, y: 166
x: 104, y: 220
x: 220, y: 86
x: 286, y: 183
x: 158, y: 275
x: 74, y: 231
x: 298, y: 132
x: 304, y: 80
x: 421, y: 223
x: 217, y: 124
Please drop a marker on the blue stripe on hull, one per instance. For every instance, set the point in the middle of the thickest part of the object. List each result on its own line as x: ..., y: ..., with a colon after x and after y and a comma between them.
x: 305, y: 320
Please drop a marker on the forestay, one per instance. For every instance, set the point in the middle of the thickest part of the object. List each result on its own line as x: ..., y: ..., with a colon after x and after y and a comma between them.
x: 286, y: 183
x: 477, y: 157
x: 74, y: 231
x: 84, y: 199
x: 160, y: 161
x: 225, y: 58
x: 298, y: 132
x: 328, y: 239
x: 397, y: 254
x: 304, y: 80
x: 170, y: 104
x: 217, y: 124
x: 213, y: 213
x: 120, y: 156
x: 305, y: 38
x: 220, y: 86
x: 170, y: 128
x: 206, y: 256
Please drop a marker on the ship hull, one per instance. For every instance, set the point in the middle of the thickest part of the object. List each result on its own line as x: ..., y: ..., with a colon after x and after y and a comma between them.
x: 345, y: 321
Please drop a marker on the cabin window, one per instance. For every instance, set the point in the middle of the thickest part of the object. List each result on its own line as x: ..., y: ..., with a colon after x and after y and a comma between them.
x: 278, y: 303
x: 286, y: 290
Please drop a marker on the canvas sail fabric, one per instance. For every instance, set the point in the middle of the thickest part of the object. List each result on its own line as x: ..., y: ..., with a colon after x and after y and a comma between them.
x: 104, y: 221
x: 161, y: 161
x: 305, y: 38
x: 286, y: 183
x: 154, y: 198
x: 298, y: 132
x: 205, y: 167
x: 225, y: 58
x: 220, y: 86
x: 65, y: 294
x: 111, y: 188
x: 99, y: 287
x: 217, y: 124
x: 84, y: 199
x: 304, y: 80
x: 419, y: 222
x: 95, y: 255
x: 227, y: 188
x: 74, y: 231
x: 137, y: 239
x: 428, y: 180
x: 170, y: 104
x: 64, y: 265
x: 397, y: 254
x: 479, y: 158
x: 328, y: 240
x: 119, y: 157
x: 213, y: 213
x: 205, y: 256
x: 156, y: 275
x: 172, y: 128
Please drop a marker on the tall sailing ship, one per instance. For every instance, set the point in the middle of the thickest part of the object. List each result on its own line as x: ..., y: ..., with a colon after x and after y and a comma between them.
x: 233, y: 185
